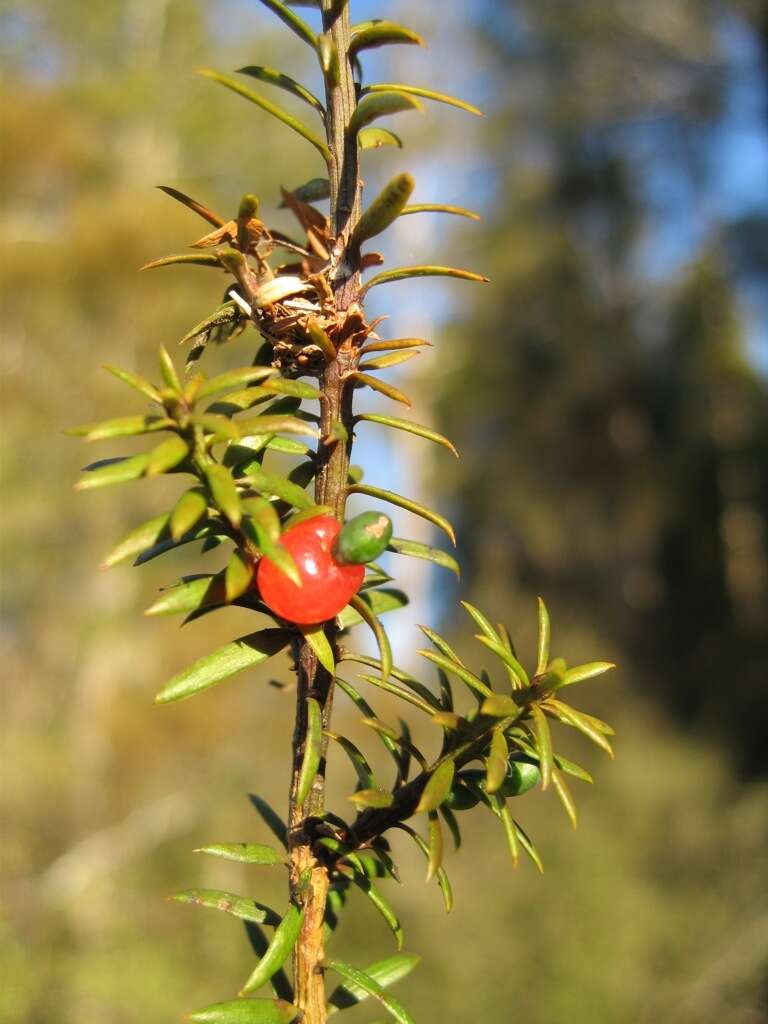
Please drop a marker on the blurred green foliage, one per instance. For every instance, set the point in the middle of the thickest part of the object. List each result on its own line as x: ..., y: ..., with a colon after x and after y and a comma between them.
x: 631, y: 426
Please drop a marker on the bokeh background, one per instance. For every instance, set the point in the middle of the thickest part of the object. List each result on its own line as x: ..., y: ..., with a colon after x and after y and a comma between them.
x: 609, y: 394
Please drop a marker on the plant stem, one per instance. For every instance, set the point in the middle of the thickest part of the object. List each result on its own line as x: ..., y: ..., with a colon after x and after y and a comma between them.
x: 308, y: 878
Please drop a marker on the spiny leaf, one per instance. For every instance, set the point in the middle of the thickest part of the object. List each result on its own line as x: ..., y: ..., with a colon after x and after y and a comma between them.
x: 380, y: 105
x: 543, y: 744
x: 565, y: 796
x: 247, y: 1011
x: 416, y: 549
x: 518, y: 675
x: 442, y: 878
x: 377, y: 33
x: 543, y: 639
x: 386, y: 911
x: 238, y: 906
x: 214, y: 668
x: 385, y: 972
x: 401, y: 502
x: 464, y: 674
x: 365, y: 611
x: 138, y: 540
x: 238, y: 574
x: 496, y: 762
x: 393, y: 343
x: 457, y: 211
x: 437, y: 788
x: 244, y: 853
x: 581, y: 672
x: 427, y: 94
x: 312, y: 749
x: 133, y: 381
x: 404, y: 273
x: 233, y: 379
x: 364, y: 380
x: 375, y: 138
x: 123, y: 426
x: 372, y: 987
x: 384, y: 210
x: 224, y: 492
x: 383, y: 362
x: 269, y: 107
x: 192, y: 204
x: 187, y: 512
x: 113, y: 471
x: 435, y: 844
x: 200, y: 259
x: 292, y: 20
x: 167, y: 455
x: 278, y: 951
x: 272, y: 77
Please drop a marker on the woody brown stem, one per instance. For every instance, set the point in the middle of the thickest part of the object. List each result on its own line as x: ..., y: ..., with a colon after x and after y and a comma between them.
x: 308, y: 878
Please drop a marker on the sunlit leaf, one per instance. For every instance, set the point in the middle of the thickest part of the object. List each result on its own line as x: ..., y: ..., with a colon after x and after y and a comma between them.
x: 456, y: 211
x: 381, y: 105
x: 198, y: 259
x: 124, y: 426
x: 272, y: 486
x: 402, y: 502
x: 377, y: 33
x: 416, y: 90
x: 384, y: 210
x: 224, y: 492
x: 383, y: 907
x: 269, y: 107
x: 247, y: 1011
x: 113, y: 471
x: 518, y: 675
x: 381, y: 600
x: 364, y: 380
x: 137, y: 383
x: 375, y: 138
x: 368, y: 984
x: 292, y: 20
x: 496, y: 762
x: 229, y: 903
x: 405, y: 273
x: 385, y: 972
x: 280, y: 948
x: 167, y: 455
x: 313, y: 740
x: 579, y: 673
x: 543, y: 744
x: 238, y: 574
x: 416, y: 549
x: 138, y: 540
x: 438, y: 787
x: 372, y: 797
x: 366, y: 612
x: 282, y: 81
x: 393, y: 344
x: 214, y: 668
x: 481, y: 621
x: 383, y: 362
x: 244, y: 853
x: 472, y: 681
x: 543, y: 638
x: 233, y: 379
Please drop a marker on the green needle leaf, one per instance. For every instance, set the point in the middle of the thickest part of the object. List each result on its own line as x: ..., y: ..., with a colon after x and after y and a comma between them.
x: 192, y: 204
x: 496, y: 762
x: 411, y: 428
x: 278, y: 951
x: 187, y: 512
x: 543, y: 641
x: 372, y: 34
x: 416, y: 549
x: 381, y: 105
x: 366, y: 613
x: 234, y: 379
x: 318, y: 641
x: 244, y: 853
x: 364, y: 380
x: 457, y: 211
x: 579, y: 721
x: 543, y: 744
x: 214, y: 668
x: 384, y: 210
x: 247, y: 1011
x: 272, y: 486
x: 579, y: 673
x: 385, y: 972
x: 372, y: 987
x: 272, y: 77
x: 427, y: 94
x: 238, y: 906
x: 482, y: 622
x: 224, y: 492
x: 565, y: 796
x: 442, y: 878
x: 138, y: 540
x: 312, y: 750
x: 372, y: 797
x: 435, y: 845
x: 437, y: 788
x: 406, y: 503
x: 123, y: 426
x: 113, y: 471
x: 137, y: 383
x: 199, y: 259
x: 464, y: 674
x: 393, y: 359
x: 270, y: 108
x: 517, y: 674
x: 386, y: 911
x: 167, y: 455
x: 393, y: 343
x: 292, y: 20
x: 375, y: 138
x: 404, y: 273
x: 238, y: 575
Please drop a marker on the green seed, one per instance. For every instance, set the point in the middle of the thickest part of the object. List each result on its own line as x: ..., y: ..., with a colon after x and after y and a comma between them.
x: 363, y: 538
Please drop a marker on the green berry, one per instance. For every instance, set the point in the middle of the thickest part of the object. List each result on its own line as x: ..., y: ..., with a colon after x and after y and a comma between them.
x: 363, y: 538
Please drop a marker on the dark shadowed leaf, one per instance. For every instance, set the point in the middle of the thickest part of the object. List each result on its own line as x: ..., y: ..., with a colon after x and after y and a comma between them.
x: 405, y: 273
x: 368, y: 984
x: 279, y: 950
x: 365, y: 611
x: 312, y: 749
x: 192, y: 204
x: 383, y: 907
x: 272, y: 77
x: 271, y: 818
x: 292, y: 20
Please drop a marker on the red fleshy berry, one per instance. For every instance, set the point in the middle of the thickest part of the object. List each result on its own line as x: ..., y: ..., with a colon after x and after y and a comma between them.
x: 326, y: 587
